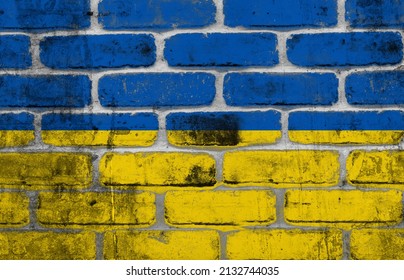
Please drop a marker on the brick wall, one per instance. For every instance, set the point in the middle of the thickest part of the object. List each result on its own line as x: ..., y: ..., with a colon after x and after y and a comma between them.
x: 208, y: 129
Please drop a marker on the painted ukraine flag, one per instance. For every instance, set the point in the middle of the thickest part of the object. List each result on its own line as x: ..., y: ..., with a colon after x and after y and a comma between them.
x: 100, y: 129
x: 223, y: 129
x: 16, y: 129
x: 367, y: 127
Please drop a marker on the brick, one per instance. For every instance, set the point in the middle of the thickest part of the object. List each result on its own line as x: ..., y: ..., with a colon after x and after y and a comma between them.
x: 174, y: 169
x: 96, y: 210
x: 45, y: 170
x: 44, y: 15
x: 376, y: 169
x: 13, y: 210
x: 223, y: 129
x: 31, y: 245
x: 375, y: 88
x: 280, y: 244
x: 220, y: 208
x: 377, y: 244
x: 157, y: 90
x: 16, y: 129
x: 162, y: 245
x: 281, y: 168
x: 116, y: 129
x: 261, y: 89
x: 346, y: 128
x: 156, y: 14
x: 343, y: 209
x: 45, y: 91
x: 15, y: 52
x: 345, y: 49
x: 278, y: 14
x: 98, y: 51
x: 375, y: 14
x: 230, y: 49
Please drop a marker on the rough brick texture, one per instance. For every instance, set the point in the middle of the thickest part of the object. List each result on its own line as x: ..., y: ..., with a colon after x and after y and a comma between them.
x: 201, y: 129
x: 156, y: 14
x: 345, y: 49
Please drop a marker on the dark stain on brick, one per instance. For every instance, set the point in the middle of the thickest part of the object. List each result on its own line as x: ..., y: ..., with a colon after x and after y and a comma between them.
x: 222, y: 130
x: 144, y: 49
x: 199, y: 177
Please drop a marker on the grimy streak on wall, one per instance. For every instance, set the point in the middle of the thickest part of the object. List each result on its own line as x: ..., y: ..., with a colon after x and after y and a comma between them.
x: 202, y: 129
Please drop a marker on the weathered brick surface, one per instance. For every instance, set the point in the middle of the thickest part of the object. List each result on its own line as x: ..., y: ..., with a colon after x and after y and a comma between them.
x: 277, y: 14
x: 220, y: 208
x: 377, y: 169
x: 98, y: 51
x: 44, y: 15
x: 31, y: 245
x: 377, y: 244
x: 259, y: 89
x: 157, y: 90
x: 230, y: 49
x: 45, y: 170
x: 42, y: 91
x: 276, y: 244
x: 375, y: 88
x: 203, y: 129
x: 13, y: 210
x: 345, y: 49
x: 100, y: 129
x: 223, y: 129
x: 14, y: 51
x: 96, y: 210
x: 16, y: 129
x: 156, y: 14
x: 344, y: 209
x: 375, y: 14
x: 162, y: 245
x: 157, y: 169
x: 281, y: 168
x: 347, y: 128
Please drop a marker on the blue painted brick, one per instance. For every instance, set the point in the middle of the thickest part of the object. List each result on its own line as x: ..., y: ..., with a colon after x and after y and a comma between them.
x: 98, y: 51
x: 21, y: 121
x: 157, y: 89
x: 284, y: 13
x: 375, y: 13
x: 156, y: 14
x: 259, y: 89
x: 222, y: 49
x: 345, y: 49
x: 44, y: 91
x: 375, y: 88
x: 14, y: 52
x: 44, y: 14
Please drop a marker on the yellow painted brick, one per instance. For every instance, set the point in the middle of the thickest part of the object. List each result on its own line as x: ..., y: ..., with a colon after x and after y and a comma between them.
x: 281, y: 168
x: 45, y: 170
x: 157, y: 169
x: 380, y: 244
x: 97, y: 210
x: 220, y: 208
x: 47, y: 246
x: 378, y: 169
x: 16, y: 138
x: 13, y: 210
x: 345, y: 209
x: 162, y: 245
x: 285, y: 245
